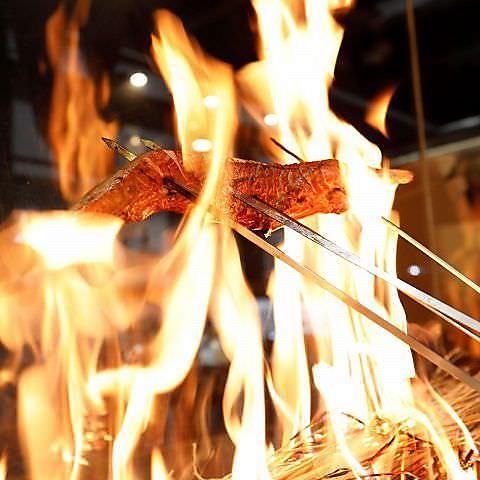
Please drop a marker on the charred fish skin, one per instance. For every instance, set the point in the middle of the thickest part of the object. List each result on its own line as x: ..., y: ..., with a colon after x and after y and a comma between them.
x: 137, y: 191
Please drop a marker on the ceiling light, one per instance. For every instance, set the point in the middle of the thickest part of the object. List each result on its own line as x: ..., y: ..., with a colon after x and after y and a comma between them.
x: 135, y: 140
x: 414, y: 270
x: 138, y: 79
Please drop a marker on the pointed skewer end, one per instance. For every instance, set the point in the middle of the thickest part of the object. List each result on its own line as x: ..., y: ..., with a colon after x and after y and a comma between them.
x: 151, y: 145
x: 120, y: 149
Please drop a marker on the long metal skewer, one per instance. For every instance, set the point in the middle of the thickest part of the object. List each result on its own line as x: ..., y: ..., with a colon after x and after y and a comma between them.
x: 433, y: 304
x: 413, y: 343
x: 432, y: 255
x: 417, y: 346
x: 460, y: 320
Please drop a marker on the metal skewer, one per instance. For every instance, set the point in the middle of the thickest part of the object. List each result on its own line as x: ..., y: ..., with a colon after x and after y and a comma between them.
x: 464, y: 322
x: 113, y: 145
x: 432, y: 255
x: 412, y: 342
x: 151, y: 145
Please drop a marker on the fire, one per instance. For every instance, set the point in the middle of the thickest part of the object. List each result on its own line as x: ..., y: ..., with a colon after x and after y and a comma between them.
x: 377, y: 113
x: 75, y: 124
x: 341, y: 396
x: 64, y: 240
x: 236, y: 320
x: 158, y: 469
x: 360, y: 371
x: 3, y: 466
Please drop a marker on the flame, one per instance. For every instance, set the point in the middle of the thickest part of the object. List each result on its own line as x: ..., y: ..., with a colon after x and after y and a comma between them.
x: 3, y: 466
x: 191, y: 263
x: 236, y: 319
x: 69, y: 300
x: 77, y: 294
x: 360, y: 369
x: 377, y: 113
x: 75, y: 125
x: 158, y: 469
x: 290, y: 373
x: 64, y: 240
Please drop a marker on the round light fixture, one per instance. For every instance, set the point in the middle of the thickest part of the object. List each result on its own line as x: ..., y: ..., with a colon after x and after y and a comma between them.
x: 135, y: 140
x: 414, y: 270
x: 138, y: 79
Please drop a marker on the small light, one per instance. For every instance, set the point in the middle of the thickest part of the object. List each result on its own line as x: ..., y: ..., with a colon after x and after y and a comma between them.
x: 202, y: 145
x: 135, y: 140
x: 138, y: 79
x: 414, y: 270
x: 211, y: 101
x: 270, y: 119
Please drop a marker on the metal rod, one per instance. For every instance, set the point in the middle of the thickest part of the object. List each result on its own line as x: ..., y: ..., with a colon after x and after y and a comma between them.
x: 413, y: 343
x: 120, y: 149
x: 432, y: 255
x: 285, y: 149
x: 422, y: 142
x: 436, y: 306
x: 463, y: 322
x: 151, y: 145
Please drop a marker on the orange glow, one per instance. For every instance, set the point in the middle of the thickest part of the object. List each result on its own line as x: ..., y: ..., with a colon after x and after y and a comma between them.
x: 114, y: 335
x: 377, y: 112
x: 75, y: 124
x: 360, y: 369
x: 3, y: 466
x: 158, y: 469
x: 67, y: 302
x: 191, y: 263
x: 64, y: 240
x: 236, y: 320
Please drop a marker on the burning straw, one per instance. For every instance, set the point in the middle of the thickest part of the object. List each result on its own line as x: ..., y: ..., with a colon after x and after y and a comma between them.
x: 410, y: 451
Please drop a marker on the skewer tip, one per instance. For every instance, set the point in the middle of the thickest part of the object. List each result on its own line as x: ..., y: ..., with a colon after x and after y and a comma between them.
x: 108, y: 142
x: 151, y: 145
x: 120, y: 149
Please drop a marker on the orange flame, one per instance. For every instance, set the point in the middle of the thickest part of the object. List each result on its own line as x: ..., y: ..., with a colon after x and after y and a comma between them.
x: 377, y: 113
x: 360, y: 369
x: 75, y: 125
x: 235, y: 317
x: 191, y: 264
x: 3, y: 466
x: 70, y: 286
x: 158, y: 469
x: 67, y: 306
